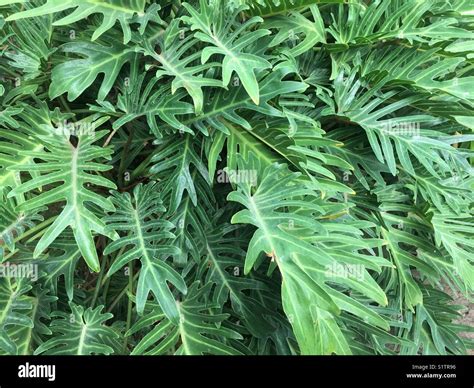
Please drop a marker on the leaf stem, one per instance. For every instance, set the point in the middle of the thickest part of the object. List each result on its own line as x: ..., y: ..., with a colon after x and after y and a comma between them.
x: 34, y: 229
x: 119, y: 296
x: 130, y: 303
x: 99, y: 281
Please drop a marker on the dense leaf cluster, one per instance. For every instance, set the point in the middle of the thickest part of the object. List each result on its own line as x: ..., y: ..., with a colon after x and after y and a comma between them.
x: 235, y: 177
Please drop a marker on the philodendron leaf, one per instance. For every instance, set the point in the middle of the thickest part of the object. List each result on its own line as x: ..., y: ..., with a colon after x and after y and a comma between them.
x: 75, y: 76
x: 308, y: 260
x: 213, y: 27
x: 112, y: 11
x: 82, y: 333
x: 68, y: 168
x: 198, y: 332
x: 268, y: 8
x: 147, y: 239
x: 15, y: 306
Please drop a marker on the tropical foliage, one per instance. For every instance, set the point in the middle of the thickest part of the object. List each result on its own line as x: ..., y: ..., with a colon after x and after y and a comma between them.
x: 236, y: 177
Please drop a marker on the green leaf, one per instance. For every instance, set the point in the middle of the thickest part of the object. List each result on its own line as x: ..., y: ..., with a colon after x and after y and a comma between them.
x: 289, y: 28
x: 454, y: 232
x: 305, y: 252
x: 111, y: 10
x: 75, y: 76
x: 146, y: 240
x: 82, y: 332
x: 198, y: 332
x: 172, y: 63
x: 268, y: 8
x: 150, y: 102
x: 61, y: 261
x: 13, y: 224
x: 172, y: 162
x: 15, y: 307
x: 27, y: 338
x: 213, y: 28
x: 222, y: 263
x: 71, y: 165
